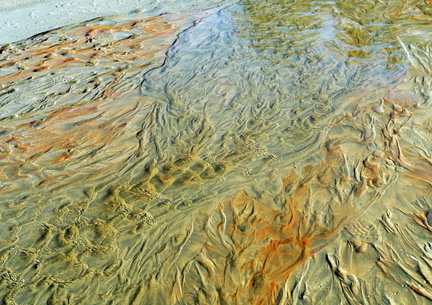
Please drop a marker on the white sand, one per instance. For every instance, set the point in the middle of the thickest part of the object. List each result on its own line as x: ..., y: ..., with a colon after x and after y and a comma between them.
x: 20, y: 19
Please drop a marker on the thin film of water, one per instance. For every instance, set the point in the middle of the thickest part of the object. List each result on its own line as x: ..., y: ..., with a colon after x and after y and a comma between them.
x: 258, y: 152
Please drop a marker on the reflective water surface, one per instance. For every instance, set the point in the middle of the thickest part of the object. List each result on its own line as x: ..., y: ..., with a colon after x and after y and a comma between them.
x: 266, y: 152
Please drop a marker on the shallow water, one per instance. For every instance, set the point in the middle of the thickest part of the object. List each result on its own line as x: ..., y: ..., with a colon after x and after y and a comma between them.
x: 262, y: 152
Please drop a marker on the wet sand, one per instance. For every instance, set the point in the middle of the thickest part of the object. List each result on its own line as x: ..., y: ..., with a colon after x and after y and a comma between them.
x: 227, y: 156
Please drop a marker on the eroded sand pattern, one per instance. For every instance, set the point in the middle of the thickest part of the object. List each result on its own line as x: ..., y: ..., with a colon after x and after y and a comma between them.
x: 260, y: 153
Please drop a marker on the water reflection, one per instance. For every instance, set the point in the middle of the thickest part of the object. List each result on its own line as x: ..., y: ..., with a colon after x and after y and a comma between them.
x: 266, y: 153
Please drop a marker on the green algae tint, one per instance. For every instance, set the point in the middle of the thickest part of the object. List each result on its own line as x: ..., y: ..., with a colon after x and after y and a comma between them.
x: 263, y: 152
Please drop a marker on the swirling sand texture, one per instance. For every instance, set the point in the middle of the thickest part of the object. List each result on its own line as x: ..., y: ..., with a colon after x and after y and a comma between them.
x: 265, y: 153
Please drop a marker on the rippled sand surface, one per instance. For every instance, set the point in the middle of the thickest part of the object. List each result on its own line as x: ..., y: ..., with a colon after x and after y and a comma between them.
x: 266, y: 152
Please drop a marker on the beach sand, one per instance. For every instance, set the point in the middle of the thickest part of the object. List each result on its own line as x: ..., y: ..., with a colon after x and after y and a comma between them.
x: 24, y: 18
x: 262, y: 153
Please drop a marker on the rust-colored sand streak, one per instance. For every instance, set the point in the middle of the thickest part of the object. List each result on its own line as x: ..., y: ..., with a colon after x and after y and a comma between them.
x: 80, y: 48
x: 285, y: 240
